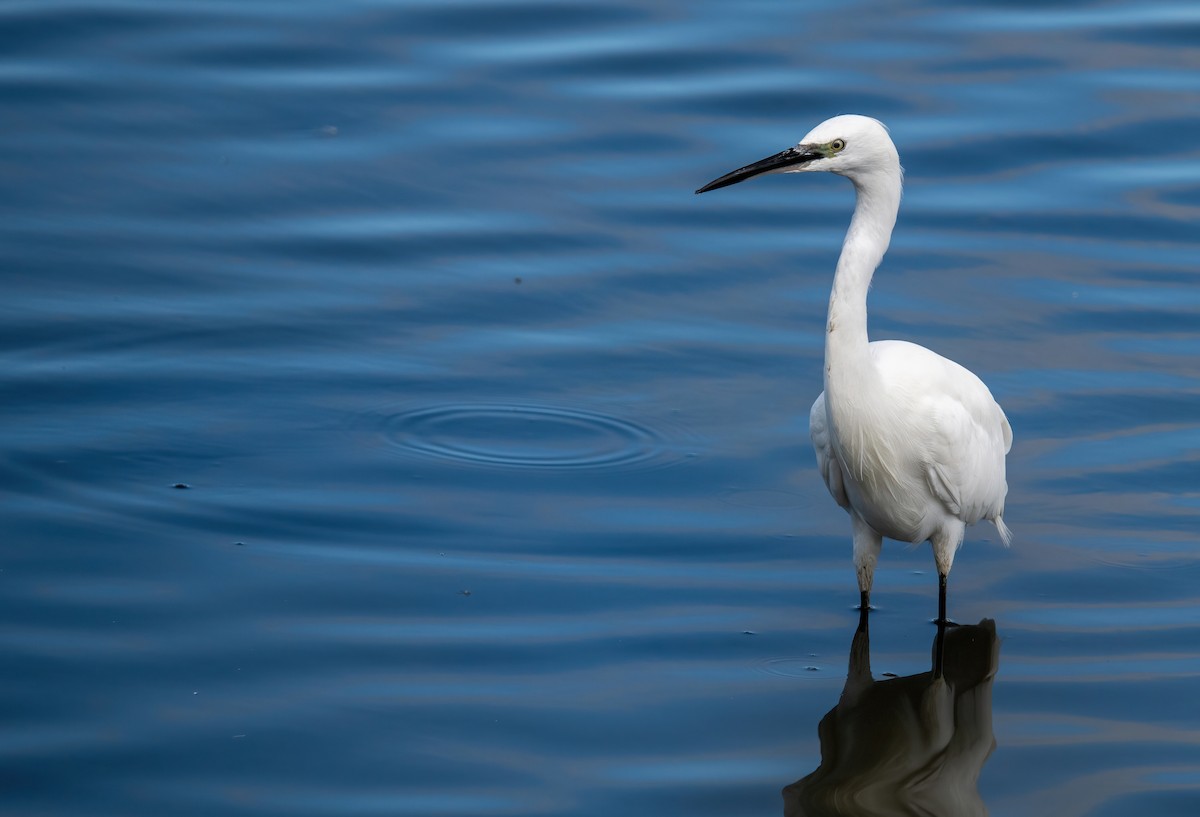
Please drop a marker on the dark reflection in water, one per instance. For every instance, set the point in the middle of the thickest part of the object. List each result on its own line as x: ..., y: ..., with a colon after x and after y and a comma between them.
x: 912, y: 745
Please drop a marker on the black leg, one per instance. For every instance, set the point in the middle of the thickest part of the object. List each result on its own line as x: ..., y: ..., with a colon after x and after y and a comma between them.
x: 864, y: 600
x: 941, y: 619
x: 939, y: 643
x: 863, y: 610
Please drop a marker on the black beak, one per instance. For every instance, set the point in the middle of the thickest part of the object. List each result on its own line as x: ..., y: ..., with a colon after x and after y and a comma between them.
x: 798, y: 155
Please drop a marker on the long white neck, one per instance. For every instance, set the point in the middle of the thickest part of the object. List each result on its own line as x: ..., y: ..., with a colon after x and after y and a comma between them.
x: 847, y: 359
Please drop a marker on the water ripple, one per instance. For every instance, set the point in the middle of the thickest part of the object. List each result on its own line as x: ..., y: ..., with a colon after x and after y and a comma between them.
x: 808, y: 669
x: 509, y: 435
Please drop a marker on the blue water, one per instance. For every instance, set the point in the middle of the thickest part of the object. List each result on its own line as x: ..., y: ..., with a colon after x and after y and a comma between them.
x: 498, y: 497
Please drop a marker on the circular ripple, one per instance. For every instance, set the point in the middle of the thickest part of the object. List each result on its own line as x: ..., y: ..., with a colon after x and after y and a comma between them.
x: 525, y: 436
x: 806, y: 668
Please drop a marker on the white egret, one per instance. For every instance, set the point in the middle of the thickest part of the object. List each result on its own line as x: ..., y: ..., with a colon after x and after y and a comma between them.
x: 911, y: 444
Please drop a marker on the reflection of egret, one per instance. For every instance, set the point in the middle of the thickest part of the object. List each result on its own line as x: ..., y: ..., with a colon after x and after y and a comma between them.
x: 910, y: 443
x: 912, y: 745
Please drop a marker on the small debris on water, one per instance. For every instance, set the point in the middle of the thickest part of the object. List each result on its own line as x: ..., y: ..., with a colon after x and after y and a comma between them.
x: 749, y: 632
x: 328, y: 130
x: 240, y: 544
x: 464, y: 592
x: 183, y: 486
x: 890, y: 675
x: 813, y: 669
x: 517, y: 280
x: 238, y: 737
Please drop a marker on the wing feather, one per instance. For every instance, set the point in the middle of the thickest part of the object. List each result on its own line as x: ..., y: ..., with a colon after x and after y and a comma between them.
x: 963, y: 431
x: 827, y: 463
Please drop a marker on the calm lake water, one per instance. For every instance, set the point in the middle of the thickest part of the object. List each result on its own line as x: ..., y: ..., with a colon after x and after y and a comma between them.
x: 498, y: 491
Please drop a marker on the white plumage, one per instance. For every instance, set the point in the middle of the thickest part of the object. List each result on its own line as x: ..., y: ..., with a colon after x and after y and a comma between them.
x: 910, y: 443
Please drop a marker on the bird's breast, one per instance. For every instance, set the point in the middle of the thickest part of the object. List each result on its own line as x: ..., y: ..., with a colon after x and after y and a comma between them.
x: 881, y: 464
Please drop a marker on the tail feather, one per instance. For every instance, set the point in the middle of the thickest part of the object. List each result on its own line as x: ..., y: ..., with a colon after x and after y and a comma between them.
x: 1002, y: 529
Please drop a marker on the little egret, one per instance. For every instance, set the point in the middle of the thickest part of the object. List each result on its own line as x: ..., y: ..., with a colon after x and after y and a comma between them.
x: 911, y: 444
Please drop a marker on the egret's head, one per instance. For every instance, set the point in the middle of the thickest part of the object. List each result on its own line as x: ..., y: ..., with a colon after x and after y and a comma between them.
x: 850, y: 145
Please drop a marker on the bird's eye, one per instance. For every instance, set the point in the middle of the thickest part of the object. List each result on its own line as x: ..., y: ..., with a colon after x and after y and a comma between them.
x: 837, y: 145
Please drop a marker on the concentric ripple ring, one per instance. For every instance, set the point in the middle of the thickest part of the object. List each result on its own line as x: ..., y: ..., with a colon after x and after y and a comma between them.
x: 524, y: 436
